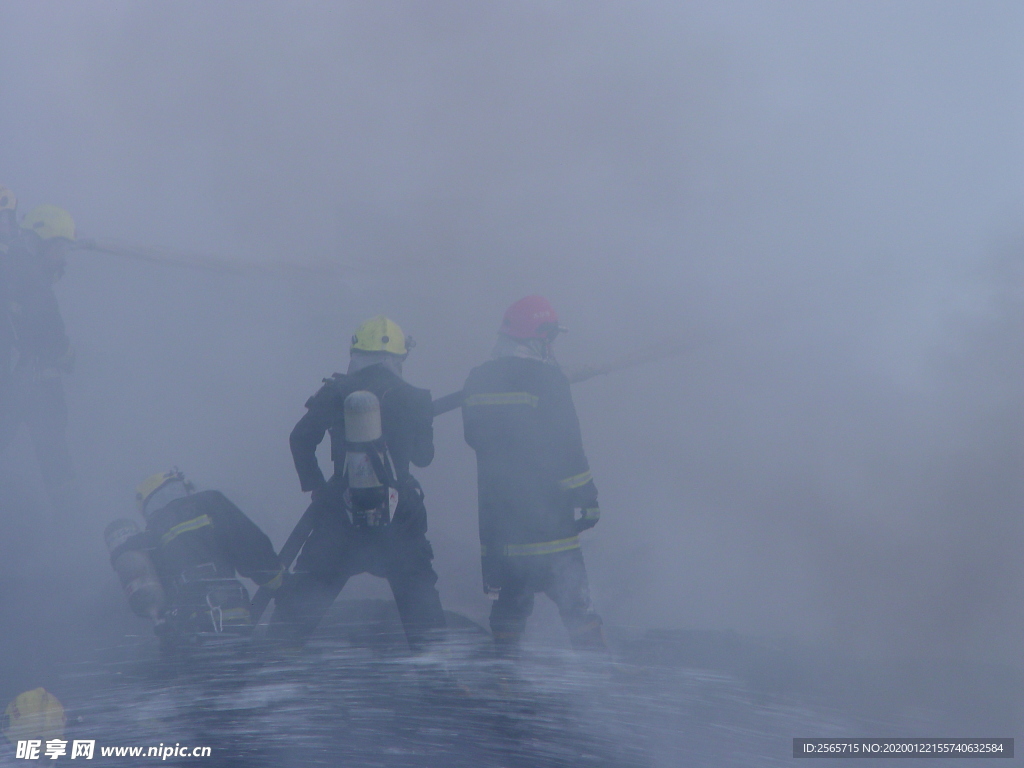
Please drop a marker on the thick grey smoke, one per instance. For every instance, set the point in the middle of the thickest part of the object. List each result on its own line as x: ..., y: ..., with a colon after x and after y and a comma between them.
x: 824, y: 197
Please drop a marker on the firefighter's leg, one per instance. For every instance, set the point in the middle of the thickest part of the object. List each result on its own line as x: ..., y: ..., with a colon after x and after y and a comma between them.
x: 47, y: 417
x: 511, y: 610
x: 412, y: 579
x: 321, y: 571
x: 570, y: 591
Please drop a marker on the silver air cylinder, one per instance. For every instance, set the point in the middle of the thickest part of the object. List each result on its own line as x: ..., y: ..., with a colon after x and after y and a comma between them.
x: 362, y: 425
x: 135, y: 570
x: 369, y: 493
x: 362, y: 417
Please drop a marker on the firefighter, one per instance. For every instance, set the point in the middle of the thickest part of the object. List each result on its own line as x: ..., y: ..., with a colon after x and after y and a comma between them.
x: 193, y: 548
x: 34, y: 262
x: 370, y: 516
x: 532, y: 477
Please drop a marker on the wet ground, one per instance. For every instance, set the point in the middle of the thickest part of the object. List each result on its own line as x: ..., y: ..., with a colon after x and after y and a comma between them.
x: 356, y: 697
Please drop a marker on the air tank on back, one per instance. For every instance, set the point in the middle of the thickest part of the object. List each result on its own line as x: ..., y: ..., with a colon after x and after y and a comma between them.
x: 135, y: 570
x: 363, y: 450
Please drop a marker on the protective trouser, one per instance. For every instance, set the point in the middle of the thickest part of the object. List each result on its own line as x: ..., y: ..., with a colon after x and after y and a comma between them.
x: 337, y: 550
x: 562, y: 576
x: 39, y: 402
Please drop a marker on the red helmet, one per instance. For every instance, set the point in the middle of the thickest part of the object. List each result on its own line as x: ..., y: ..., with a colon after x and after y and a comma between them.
x: 532, y: 317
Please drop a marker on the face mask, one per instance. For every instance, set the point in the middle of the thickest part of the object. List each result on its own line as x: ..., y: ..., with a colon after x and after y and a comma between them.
x: 532, y: 349
x: 360, y: 360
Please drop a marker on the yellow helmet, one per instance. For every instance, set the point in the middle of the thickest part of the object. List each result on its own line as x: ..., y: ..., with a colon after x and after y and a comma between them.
x: 145, y: 490
x: 49, y: 221
x: 8, y: 202
x: 379, y: 334
x: 35, y: 714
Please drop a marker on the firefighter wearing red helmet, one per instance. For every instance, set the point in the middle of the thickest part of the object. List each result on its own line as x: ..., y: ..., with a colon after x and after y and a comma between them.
x: 536, y: 493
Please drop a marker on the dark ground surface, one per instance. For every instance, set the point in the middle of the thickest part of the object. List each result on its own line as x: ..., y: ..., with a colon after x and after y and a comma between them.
x: 355, y: 696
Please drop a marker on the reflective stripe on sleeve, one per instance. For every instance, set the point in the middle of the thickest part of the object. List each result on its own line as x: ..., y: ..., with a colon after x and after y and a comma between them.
x: 575, y: 481
x: 503, y: 398
x: 188, y: 525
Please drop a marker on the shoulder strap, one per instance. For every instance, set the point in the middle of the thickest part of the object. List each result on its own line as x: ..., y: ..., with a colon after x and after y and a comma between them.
x: 337, y: 380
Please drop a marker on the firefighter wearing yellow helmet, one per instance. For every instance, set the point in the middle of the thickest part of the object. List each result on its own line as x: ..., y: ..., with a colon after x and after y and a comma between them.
x: 381, y: 334
x: 35, y: 714
x: 182, y: 570
x: 34, y: 263
x: 50, y: 223
x: 369, y: 517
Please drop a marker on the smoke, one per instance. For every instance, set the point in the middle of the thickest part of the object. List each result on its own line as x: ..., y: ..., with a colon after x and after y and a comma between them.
x: 818, y: 195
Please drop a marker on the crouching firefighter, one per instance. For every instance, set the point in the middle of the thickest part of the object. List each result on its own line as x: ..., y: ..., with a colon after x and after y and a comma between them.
x: 369, y: 517
x: 532, y: 477
x: 181, y: 571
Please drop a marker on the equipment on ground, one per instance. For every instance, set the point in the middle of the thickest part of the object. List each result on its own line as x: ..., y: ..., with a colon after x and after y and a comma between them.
x: 381, y: 334
x: 49, y: 221
x: 35, y: 714
x: 135, y: 570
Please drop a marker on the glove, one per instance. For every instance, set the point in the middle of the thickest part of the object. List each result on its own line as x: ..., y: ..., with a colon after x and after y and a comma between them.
x: 584, y: 498
x: 589, y: 518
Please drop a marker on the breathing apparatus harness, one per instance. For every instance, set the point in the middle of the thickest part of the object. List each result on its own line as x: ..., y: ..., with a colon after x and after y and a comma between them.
x: 371, y: 493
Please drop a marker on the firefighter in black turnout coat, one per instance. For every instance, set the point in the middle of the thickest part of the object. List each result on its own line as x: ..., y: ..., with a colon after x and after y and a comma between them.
x: 197, y: 544
x: 532, y: 477
x: 370, y: 516
x: 33, y: 392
